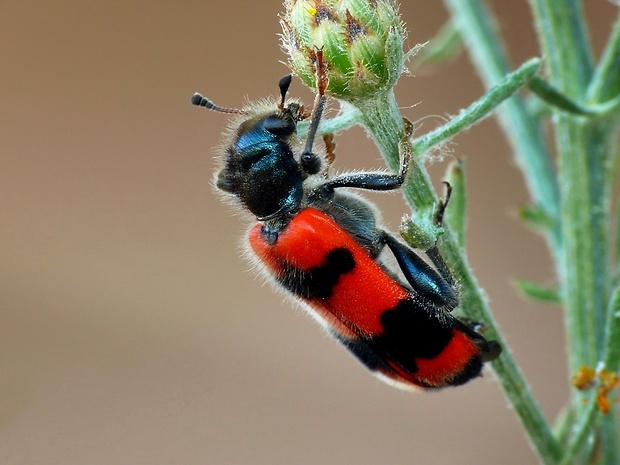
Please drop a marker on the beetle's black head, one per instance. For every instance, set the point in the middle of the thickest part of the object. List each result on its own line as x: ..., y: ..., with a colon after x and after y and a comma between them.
x: 262, y: 162
x: 260, y: 165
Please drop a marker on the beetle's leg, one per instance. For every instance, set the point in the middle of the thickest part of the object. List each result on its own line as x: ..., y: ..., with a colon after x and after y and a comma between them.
x: 378, y: 181
x: 439, y: 286
x: 433, y: 252
x: 330, y: 146
x: 489, y: 350
x: 442, y: 267
x: 421, y: 276
x: 443, y: 204
x: 440, y: 289
x: 310, y: 162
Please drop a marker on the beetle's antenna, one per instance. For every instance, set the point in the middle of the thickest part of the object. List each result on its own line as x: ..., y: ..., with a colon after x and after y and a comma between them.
x: 200, y: 101
x: 284, y: 84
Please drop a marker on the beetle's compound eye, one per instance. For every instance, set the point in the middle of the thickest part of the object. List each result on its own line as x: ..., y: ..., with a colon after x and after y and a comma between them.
x: 280, y: 126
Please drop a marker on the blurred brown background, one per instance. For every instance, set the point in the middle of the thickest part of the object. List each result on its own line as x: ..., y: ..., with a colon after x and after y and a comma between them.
x: 130, y: 330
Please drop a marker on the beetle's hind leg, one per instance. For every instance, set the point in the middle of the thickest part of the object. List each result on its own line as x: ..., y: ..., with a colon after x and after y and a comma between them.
x: 433, y: 252
x: 428, y: 283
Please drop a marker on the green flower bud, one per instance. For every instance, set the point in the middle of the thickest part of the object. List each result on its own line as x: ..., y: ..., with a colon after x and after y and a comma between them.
x: 361, y: 40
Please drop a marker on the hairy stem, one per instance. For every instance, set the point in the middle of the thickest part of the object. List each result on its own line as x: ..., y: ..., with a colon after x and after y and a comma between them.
x: 605, y: 84
x: 583, y: 179
x: 382, y: 119
x: 583, y: 147
x: 481, y: 108
x: 477, y: 29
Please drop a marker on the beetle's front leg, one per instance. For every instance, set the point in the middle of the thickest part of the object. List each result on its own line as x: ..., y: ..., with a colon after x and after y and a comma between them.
x: 378, y: 181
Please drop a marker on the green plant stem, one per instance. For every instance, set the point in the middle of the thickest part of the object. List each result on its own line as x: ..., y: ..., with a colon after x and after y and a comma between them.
x: 582, y: 429
x: 525, y: 137
x: 561, y: 31
x: 583, y: 146
x: 382, y: 119
x: 605, y: 84
x: 347, y: 118
x: 481, y: 108
x: 476, y: 26
x: 585, y: 224
x: 579, y: 239
x: 610, y: 362
x: 583, y: 181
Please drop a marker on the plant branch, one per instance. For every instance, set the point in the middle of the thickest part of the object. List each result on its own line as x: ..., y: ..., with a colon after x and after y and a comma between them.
x: 382, y: 119
x: 480, y: 109
x: 477, y: 29
x: 610, y: 362
x: 349, y: 116
x: 583, y: 179
x: 605, y: 84
x: 564, y: 40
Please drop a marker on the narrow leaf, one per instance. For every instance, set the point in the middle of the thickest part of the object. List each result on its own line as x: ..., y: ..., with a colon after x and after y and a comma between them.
x: 546, y: 92
x: 445, y: 46
x: 456, y: 212
x: 537, y: 292
x: 535, y: 217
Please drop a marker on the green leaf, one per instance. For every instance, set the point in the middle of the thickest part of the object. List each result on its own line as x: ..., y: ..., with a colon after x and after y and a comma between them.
x: 535, y: 217
x: 480, y: 109
x: 537, y: 292
x: 445, y: 46
x: 457, y: 208
x: 548, y: 93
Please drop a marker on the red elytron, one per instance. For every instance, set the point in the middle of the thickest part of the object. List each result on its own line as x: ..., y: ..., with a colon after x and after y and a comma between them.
x: 322, y: 243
